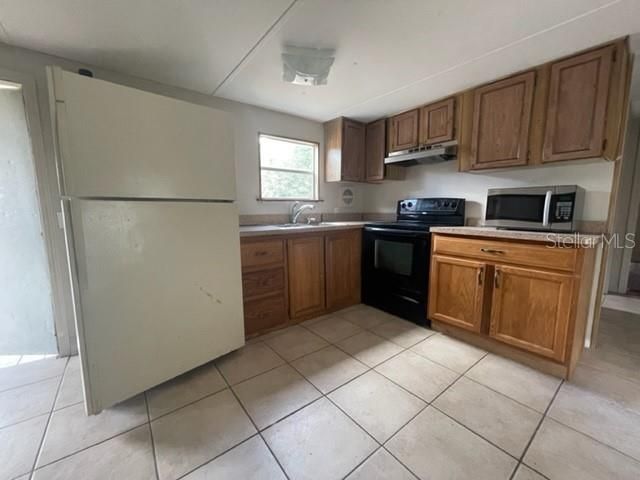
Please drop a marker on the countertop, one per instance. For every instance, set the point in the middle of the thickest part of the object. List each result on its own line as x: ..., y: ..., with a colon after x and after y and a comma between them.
x: 261, y: 230
x: 553, y: 237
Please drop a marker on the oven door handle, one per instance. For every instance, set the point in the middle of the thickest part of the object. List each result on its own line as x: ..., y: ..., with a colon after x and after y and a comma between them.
x: 397, y: 232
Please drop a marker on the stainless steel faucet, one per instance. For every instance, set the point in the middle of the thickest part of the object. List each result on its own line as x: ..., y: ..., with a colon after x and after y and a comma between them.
x: 297, y: 209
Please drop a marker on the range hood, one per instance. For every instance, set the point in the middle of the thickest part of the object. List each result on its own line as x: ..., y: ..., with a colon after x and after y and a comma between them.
x: 423, y: 155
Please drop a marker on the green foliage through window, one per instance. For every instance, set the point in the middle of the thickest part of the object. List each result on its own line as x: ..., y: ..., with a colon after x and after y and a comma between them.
x: 288, y: 168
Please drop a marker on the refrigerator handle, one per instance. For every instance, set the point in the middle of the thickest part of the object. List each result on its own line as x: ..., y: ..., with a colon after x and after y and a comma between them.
x: 61, y: 141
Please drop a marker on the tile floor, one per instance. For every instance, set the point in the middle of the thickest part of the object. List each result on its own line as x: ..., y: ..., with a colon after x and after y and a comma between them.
x: 359, y: 394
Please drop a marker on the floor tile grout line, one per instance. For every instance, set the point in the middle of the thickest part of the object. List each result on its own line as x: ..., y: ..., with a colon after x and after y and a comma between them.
x: 259, y: 432
x: 199, y: 466
x: 477, y: 434
x: 153, y: 445
x: 364, y: 460
x: 64, y: 457
x: 47, y: 423
x: 635, y: 460
x: 31, y: 383
x: 504, y: 394
x: 429, y: 404
x: 537, y: 429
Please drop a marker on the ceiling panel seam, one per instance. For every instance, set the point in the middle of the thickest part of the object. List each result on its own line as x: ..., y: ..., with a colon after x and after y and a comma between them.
x: 344, y: 111
x: 253, y: 49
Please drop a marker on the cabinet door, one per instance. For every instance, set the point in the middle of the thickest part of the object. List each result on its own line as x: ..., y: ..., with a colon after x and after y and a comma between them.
x: 577, y: 106
x: 456, y: 292
x: 306, y: 275
x: 531, y: 309
x: 436, y: 122
x: 375, y: 151
x: 403, y: 131
x: 353, y: 151
x: 343, y: 252
x: 501, y: 120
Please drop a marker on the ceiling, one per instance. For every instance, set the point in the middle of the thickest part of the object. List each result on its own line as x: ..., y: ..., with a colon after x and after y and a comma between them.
x: 390, y: 55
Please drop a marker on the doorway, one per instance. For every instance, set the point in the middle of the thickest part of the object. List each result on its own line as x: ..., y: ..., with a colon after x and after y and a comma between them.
x: 27, y: 328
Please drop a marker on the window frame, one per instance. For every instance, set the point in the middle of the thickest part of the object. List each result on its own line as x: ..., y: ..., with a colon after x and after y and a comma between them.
x: 315, y: 173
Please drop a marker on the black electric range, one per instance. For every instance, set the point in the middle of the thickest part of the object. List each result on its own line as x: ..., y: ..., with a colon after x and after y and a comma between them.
x: 396, y: 255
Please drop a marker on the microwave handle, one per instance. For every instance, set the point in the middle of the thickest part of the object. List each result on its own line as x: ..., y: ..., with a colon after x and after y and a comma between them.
x: 547, y: 208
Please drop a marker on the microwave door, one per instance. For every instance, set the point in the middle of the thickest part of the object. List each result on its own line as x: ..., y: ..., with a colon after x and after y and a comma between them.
x: 519, y: 210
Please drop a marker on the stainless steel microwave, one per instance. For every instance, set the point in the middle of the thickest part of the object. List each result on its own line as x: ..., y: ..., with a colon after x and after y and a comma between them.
x: 555, y: 208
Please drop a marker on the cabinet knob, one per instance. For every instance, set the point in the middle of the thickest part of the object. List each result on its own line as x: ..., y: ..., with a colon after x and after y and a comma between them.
x: 480, y: 275
x: 496, y: 278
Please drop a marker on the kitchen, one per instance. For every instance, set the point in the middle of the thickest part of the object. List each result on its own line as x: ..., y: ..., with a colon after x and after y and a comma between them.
x: 359, y: 288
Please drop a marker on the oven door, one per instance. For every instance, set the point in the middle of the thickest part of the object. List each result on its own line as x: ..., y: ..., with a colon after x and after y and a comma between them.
x: 519, y: 208
x: 395, y: 271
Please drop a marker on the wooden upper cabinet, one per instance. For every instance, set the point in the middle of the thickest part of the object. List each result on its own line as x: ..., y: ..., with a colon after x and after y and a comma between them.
x: 501, y: 121
x: 344, y: 150
x: 577, y: 106
x: 403, y: 131
x: 305, y: 261
x: 456, y: 291
x: 436, y: 122
x: 375, y: 150
x: 342, y: 256
x: 531, y: 309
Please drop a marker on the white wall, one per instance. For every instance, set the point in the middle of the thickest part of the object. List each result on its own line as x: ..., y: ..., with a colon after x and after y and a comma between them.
x: 443, y: 180
x: 26, y: 316
x: 249, y: 122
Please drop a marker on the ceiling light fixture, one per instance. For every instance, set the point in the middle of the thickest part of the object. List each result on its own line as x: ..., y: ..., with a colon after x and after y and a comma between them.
x: 4, y: 85
x: 306, y: 66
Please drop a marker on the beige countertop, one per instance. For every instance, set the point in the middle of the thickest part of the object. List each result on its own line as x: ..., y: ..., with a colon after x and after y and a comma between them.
x: 260, y: 230
x: 554, y: 237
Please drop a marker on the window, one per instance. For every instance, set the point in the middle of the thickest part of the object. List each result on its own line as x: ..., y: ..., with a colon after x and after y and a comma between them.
x: 288, y: 169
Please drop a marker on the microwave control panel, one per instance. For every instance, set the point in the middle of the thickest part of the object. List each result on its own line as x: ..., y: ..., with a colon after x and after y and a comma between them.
x: 563, y: 208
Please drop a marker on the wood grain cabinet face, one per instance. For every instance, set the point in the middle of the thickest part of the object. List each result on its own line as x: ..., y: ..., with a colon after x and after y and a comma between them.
x: 306, y: 265
x: 456, y: 291
x: 501, y: 121
x: 531, y: 309
x: 375, y: 150
x: 403, y: 131
x: 264, y: 314
x: 353, y: 151
x: 343, y: 252
x: 436, y: 122
x: 344, y: 150
x: 577, y: 106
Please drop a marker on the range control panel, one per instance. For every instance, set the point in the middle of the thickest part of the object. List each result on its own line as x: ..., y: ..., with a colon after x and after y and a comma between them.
x: 426, y: 206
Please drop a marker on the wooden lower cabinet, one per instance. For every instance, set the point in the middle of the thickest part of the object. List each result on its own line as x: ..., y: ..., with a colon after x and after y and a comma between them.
x: 457, y: 291
x: 289, y: 278
x: 342, y: 256
x: 305, y: 257
x: 264, y: 284
x: 531, y: 309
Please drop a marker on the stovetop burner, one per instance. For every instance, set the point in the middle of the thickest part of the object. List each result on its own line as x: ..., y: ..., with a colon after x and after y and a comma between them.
x: 422, y: 213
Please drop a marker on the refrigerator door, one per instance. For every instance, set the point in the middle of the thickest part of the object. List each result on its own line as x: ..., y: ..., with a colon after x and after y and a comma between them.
x: 157, y: 291
x: 116, y: 141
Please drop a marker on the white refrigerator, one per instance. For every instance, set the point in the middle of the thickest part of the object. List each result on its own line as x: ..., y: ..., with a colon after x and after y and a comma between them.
x: 148, y: 196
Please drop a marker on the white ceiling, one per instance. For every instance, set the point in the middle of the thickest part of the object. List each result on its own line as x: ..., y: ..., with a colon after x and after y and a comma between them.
x: 390, y: 54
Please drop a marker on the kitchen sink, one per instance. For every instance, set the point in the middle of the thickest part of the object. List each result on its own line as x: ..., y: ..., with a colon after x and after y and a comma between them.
x: 305, y: 225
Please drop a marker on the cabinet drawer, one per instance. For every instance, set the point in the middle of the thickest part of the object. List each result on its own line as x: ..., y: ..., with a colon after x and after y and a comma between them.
x: 263, y: 252
x: 537, y: 255
x: 264, y: 314
x: 263, y: 282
